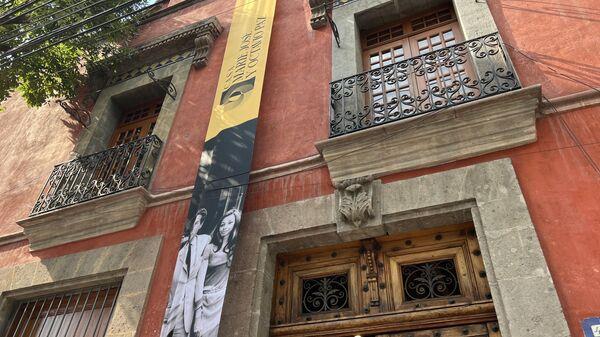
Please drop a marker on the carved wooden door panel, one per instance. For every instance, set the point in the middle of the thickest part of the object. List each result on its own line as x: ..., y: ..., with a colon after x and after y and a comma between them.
x: 389, y: 286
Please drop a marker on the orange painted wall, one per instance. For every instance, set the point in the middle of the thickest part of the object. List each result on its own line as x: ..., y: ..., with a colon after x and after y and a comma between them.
x: 562, y: 34
x: 32, y: 141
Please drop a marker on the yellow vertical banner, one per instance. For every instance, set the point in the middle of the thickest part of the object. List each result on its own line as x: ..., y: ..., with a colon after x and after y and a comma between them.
x: 211, y: 229
x: 243, y: 70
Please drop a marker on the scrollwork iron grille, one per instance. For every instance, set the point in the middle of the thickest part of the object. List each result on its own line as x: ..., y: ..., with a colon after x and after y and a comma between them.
x: 430, y: 280
x: 85, y: 178
x: 478, y: 68
x: 323, y: 294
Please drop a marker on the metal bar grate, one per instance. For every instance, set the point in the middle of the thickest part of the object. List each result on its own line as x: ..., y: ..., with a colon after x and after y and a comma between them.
x: 80, y: 313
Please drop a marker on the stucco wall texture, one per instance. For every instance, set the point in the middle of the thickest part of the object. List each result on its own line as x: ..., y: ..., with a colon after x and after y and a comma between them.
x: 558, y: 174
x: 558, y: 33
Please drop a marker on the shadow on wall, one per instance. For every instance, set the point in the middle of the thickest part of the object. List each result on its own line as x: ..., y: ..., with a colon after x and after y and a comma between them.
x: 585, y: 75
x: 73, y: 128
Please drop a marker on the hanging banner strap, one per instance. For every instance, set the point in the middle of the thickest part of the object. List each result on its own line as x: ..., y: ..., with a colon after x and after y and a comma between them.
x: 212, y: 226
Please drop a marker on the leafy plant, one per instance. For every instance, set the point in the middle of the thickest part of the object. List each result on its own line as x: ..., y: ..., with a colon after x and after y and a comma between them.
x: 52, y: 48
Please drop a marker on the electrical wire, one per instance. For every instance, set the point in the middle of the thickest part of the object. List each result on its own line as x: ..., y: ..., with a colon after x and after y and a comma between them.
x: 517, y: 50
x: 29, y: 11
x: 41, y: 39
x: 42, y: 24
x: 5, y: 17
x: 82, y: 33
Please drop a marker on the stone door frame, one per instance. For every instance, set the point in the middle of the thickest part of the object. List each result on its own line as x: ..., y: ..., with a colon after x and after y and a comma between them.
x: 488, y: 194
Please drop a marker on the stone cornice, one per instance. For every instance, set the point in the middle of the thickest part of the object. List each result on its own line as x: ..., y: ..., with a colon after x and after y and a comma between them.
x: 93, y: 218
x: 183, y: 36
x: 166, y: 46
x: 579, y: 100
x: 168, y: 10
x: 12, y: 238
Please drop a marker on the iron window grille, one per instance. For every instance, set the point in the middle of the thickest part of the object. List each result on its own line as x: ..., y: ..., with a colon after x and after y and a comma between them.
x: 114, y: 170
x: 324, y: 294
x: 357, y: 102
x: 430, y: 280
x: 79, y: 313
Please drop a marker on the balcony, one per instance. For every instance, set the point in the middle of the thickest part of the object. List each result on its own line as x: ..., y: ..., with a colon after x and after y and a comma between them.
x: 110, y: 171
x: 93, y: 195
x: 464, y: 72
x: 468, y: 97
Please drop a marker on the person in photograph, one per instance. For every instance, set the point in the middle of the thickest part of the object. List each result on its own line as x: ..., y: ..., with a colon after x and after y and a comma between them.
x: 179, y: 315
x: 210, y: 288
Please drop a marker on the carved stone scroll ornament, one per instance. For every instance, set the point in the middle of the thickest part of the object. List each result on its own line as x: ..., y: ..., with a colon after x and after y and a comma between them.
x: 318, y: 11
x: 356, y: 200
x: 203, y: 46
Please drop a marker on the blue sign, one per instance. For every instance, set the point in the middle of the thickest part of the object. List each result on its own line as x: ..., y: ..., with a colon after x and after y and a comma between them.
x: 591, y: 327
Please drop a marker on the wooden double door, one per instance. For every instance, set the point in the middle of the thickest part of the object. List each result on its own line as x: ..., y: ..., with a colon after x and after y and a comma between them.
x: 421, y: 82
x: 430, y: 283
x: 136, y: 123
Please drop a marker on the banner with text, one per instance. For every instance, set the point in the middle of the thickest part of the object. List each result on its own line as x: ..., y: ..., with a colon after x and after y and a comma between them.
x: 212, y: 226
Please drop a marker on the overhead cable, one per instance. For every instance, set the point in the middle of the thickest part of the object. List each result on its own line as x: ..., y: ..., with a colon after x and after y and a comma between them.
x: 56, y: 33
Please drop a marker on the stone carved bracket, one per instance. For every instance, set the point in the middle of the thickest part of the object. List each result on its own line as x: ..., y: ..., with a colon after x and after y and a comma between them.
x: 357, y: 206
x: 318, y: 13
x: 356, y: 200
x: 203, y: 46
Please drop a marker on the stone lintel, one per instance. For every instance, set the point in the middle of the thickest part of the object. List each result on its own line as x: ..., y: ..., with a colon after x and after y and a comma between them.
x: 488, y: 194
x: 172, y: 43
x: 471, y: 129
x: 96, y: 217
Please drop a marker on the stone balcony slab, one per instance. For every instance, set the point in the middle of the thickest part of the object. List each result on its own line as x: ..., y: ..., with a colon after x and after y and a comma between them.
x: 96, y: 217
x: 467, y: 130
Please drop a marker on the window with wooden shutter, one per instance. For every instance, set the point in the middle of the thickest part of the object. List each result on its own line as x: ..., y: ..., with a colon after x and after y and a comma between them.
x: 426, y: 283
x: 434, y: 73
x: 136, y: 123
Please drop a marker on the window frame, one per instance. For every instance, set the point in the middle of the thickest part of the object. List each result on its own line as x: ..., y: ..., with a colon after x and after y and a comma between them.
x: 45, y: 312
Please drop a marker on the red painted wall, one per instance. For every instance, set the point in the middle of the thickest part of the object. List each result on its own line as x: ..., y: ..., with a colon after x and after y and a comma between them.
x: 289, y: 125
x: 562, y: 34
x: 32, y: 141
x: 556, y: 173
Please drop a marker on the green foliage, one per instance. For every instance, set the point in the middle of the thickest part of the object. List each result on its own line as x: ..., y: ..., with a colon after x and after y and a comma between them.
x: 57, y: 70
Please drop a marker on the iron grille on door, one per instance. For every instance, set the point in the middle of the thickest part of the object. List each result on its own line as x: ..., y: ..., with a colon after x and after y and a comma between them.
x: 413, y: 284
x: 80, y: 313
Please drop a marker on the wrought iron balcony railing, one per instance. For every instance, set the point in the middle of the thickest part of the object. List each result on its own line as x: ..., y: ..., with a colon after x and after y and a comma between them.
x: 85, y: 178
x: 461, y: 73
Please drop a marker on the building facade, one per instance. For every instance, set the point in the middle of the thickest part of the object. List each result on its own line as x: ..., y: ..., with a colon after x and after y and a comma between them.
x: 420, y: 168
